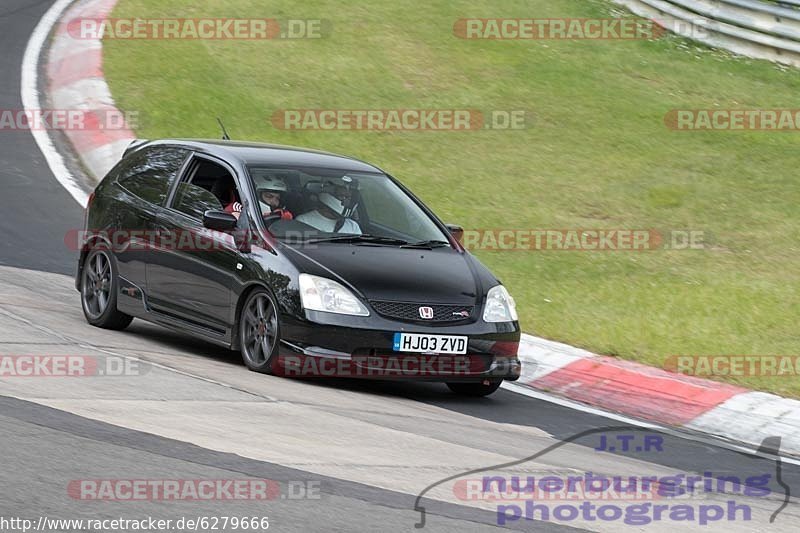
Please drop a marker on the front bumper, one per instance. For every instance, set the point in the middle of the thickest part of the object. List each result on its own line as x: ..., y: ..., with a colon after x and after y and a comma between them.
x: 331, y: 345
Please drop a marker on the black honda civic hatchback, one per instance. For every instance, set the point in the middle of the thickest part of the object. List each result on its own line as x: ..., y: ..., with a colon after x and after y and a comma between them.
x: 310, y: 264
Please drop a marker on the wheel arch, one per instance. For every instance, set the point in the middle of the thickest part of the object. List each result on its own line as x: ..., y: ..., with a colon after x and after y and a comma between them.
x: 90, y: 243
x: 243, y: 296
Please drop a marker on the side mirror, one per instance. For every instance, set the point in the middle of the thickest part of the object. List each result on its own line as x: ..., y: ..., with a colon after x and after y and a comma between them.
x: 456, y: 231
x: 219, y: 220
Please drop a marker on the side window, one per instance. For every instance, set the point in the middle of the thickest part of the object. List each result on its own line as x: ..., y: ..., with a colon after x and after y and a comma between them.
x: 207, y: 186
x: 150, y: 172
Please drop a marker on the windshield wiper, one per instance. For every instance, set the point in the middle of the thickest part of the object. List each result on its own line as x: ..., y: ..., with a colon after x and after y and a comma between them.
x: 426, y: 244
x: 372, y: 239
x: 377, y: 239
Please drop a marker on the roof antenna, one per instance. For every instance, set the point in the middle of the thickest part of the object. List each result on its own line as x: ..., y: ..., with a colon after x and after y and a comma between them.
x: 225, y: 136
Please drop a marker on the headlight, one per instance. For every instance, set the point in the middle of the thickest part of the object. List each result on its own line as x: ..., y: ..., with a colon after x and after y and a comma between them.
x: 500, y: 306
x: 321, y: 294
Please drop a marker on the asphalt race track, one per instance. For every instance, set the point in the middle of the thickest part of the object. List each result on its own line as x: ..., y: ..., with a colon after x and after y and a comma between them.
x: 349, y: 456
x: 37, y: 210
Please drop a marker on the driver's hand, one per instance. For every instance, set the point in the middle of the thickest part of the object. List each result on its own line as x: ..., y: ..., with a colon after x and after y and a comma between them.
x: 282, y: 214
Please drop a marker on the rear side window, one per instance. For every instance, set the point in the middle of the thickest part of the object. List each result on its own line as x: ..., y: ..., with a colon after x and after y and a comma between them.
x: 149, y: 173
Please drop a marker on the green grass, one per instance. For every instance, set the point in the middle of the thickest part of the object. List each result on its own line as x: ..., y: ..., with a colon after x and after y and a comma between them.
x: 598, y: 155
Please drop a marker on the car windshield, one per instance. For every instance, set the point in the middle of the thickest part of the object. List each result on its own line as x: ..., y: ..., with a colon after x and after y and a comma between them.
x: 321, y: 205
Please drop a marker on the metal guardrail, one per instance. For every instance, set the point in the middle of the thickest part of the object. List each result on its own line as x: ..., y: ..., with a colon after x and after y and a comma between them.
x: 749, y: 27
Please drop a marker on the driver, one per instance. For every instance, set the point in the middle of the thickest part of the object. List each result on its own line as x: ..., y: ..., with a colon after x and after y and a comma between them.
x: 329, y: 214
x: 270, y: 191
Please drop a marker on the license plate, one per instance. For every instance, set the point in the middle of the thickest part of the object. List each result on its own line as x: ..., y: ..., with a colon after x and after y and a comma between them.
x: 422, y: 343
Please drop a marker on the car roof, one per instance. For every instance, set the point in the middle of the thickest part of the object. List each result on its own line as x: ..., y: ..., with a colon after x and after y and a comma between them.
x: 254, y: 153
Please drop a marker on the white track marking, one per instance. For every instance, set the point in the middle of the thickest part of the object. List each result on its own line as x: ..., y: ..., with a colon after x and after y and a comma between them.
x: 541, y: 357
x: 753, y: 416
x: 30, y: 99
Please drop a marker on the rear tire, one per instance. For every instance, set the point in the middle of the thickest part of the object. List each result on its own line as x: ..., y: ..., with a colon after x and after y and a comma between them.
x: 99, y: 285
x: 260, y: 332
x: 475, y: 390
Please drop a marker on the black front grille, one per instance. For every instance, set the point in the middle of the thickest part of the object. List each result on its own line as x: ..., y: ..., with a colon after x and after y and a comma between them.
x: 410, y: 311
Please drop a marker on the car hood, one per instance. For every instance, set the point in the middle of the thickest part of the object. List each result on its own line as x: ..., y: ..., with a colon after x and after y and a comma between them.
x: 437, y: 276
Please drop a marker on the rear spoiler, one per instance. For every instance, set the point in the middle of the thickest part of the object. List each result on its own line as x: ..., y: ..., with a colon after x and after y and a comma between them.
x: 136, y: 143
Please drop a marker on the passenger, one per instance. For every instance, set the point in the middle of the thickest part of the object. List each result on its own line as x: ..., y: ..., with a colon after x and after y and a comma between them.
x: 329, y: 214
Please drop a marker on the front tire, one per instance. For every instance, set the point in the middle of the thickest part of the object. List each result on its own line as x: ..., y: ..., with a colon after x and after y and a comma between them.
x: 260, y: 332
x: 475, y: 390
x: 99, y: 282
